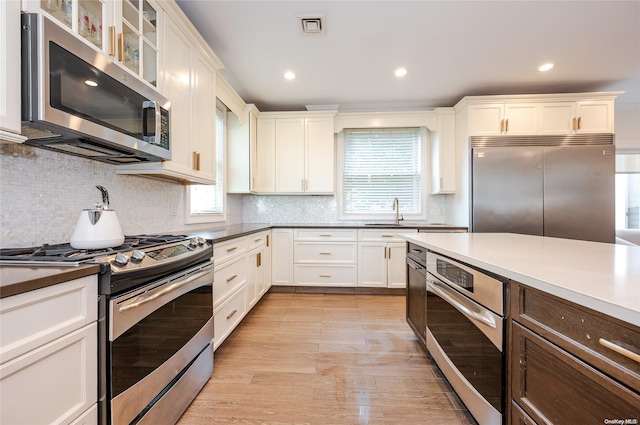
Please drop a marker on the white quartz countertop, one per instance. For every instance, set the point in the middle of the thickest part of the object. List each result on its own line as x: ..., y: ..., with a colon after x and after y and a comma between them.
x: 600, y: 276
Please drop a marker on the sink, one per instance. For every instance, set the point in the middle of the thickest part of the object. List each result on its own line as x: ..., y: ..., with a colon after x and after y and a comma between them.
x: 390, y: 225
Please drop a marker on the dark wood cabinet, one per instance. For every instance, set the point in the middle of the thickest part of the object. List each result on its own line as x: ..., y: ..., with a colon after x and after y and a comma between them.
x: 417, y: 293
x: 560, y: 371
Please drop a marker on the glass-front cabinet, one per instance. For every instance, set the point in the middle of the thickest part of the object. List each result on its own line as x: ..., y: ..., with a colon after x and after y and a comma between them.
x: 126, y: 30
x: 138, y: 39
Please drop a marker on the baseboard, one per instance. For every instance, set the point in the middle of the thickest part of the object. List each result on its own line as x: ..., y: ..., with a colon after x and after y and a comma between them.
x: 335, y: 290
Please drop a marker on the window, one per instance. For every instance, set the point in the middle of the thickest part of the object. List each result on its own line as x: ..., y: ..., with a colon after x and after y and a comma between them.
x: 378, y: 165
x: 628, y: 191
x: 206, y: 202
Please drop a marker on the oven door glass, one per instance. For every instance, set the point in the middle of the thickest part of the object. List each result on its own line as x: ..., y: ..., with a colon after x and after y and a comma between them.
x: 154, y: 339
x: 468, y: 348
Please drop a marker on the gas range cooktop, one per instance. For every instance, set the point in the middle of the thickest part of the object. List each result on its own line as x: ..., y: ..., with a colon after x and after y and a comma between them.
x: 65, y: 254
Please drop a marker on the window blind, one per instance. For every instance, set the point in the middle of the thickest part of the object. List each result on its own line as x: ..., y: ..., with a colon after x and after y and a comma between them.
x: 379, y: 165
x: 209, y: 199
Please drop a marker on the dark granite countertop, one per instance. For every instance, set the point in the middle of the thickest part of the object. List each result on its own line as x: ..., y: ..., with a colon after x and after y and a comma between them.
x: 17, y: 279
x: 223, y: 233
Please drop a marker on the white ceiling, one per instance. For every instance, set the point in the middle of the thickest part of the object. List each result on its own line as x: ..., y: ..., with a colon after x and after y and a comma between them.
x: 450, y: 48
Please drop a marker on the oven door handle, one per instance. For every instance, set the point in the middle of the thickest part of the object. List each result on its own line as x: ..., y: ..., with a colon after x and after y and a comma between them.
x: 461, y: 304
x: 165, y: 291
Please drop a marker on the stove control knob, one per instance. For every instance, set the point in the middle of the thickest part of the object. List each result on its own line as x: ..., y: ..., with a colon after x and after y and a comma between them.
x: 193, y: 242
x: 137, y: 256
x: 121, y: 259
x: 201, y: 241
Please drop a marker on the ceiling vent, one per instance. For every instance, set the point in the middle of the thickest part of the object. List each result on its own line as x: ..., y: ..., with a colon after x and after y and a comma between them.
x: 312, y: 24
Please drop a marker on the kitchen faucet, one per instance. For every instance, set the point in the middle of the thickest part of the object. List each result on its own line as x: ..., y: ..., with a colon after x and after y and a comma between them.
x: 396, y: 207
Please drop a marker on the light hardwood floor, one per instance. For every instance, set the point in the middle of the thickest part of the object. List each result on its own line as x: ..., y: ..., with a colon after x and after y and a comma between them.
x: 325, y: 359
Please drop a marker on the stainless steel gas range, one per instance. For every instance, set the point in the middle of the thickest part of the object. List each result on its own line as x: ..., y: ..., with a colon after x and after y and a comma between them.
x: 155, y: 323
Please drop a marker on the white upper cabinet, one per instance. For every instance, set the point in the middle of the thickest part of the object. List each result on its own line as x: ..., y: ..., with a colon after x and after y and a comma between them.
x: 188, y: 80
x: 10, y: 71
x: 295, y: 153
x: 136, y: 23
x: 242, y: 151
x: 125, y: 30
x: 541, y: 114
x: 442, y: 153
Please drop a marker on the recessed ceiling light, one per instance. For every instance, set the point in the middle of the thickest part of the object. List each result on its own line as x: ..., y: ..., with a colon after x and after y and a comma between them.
x: 91, y: 83
x: 289, y: 75
x: 545, y: 67
x: 400, y: 72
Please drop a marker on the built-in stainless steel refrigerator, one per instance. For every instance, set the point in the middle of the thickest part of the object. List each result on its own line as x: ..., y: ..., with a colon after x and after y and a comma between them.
x: 559, y: 186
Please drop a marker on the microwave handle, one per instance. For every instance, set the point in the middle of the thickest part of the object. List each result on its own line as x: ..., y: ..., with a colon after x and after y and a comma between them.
x: 149, y: 106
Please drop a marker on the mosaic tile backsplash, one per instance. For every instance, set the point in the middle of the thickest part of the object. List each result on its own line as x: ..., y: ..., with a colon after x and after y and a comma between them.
x: 42, y: 193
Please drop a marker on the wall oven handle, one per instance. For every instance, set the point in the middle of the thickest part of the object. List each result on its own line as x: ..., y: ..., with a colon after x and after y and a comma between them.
x: 461, y: 304
x: 165, y: 291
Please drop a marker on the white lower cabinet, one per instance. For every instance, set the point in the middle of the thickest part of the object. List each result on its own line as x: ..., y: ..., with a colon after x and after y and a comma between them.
x: 49, y: 362
x: 242, y: 275
x: 325, y: 257
x: 228, y: 315
x: 282, y: 257
x: 381, y: 258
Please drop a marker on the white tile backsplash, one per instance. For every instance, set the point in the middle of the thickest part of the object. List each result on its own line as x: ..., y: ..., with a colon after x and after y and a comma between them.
x: 42, y: 193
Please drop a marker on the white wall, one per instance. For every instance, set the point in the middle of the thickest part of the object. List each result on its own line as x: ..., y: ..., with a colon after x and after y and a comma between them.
x: 627, y: 123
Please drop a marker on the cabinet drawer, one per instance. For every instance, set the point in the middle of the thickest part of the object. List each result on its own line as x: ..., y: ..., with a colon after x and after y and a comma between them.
x: 54, y: 383
x: 336, y: 235
x: 34, y: 318
x: 316, y: 252
x: 383, y: 235
x: 552, y: 386
x: 90, y: 417
x: 257, y: 240
x: 518, y: 416
x: 228, y: 278
x: 227, y: 316
x: 225, y: 251
x: 581, y: 331
x: 316, y: 275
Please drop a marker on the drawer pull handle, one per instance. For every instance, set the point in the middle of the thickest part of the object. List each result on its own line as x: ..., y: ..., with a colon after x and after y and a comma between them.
x: 620, y: 350
x: 324, y: 253
x: 230, y: 278
x: 325, y: 275
x: 230, y: 315
x: 387, y: 236
x: 416, y: 250
x: 257, y: 240
x: 233, y: 248
x: 325, y: 234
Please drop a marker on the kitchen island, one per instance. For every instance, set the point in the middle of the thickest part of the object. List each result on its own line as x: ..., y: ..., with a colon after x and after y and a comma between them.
x: 602, y: 277
x: 571, y: 350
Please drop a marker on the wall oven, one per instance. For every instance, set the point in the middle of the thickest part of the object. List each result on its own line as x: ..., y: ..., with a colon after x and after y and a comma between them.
x: 76, y: 100
x: 465, y: 334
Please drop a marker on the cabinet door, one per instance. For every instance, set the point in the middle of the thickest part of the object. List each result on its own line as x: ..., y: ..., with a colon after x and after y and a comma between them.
x: 54, y: 383
x: 266, y: 262
x: 319, y: 154
x: 396, y: 267
x: 265, y: 181
x: 486, y: 119
x: 594, y: 116
x: 442, y: 147
x: 137, y: 21
x: 521, y: 118
x: 203, y: 151
x: 252, y: 278
x: 177, y: 84
x: 579, y: 394
x: 372, y: 264
x: 10, y: 71
x: 557, y: 117
x: 290, y: 155
x: 282, y: 257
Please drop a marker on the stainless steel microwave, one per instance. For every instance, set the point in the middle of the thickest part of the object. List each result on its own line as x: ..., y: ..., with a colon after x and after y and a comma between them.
x: 76, y: 100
